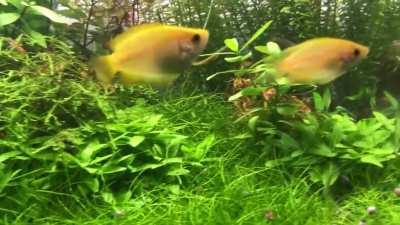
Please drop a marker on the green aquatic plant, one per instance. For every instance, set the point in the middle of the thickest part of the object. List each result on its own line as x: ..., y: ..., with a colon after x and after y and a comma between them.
x: 293, y: 135
x: 28, y: 17
x: 60, y: 135
x: 71, y: 154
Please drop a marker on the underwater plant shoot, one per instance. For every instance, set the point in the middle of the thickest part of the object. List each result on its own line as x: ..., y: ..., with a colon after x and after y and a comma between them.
x: 200, y: 112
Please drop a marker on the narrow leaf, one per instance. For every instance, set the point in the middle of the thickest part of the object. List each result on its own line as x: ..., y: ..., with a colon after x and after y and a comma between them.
x: 178, y: 172
x: 249, y: 91
x: 262, y: 49
x: 257, y: 34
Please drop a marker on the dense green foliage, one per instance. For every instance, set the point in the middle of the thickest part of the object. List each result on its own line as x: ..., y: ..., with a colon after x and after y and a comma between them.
x: 72, y: 154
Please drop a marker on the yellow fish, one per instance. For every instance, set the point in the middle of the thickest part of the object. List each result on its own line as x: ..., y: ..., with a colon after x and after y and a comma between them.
x: 319, y: 60
x: 150, y: 53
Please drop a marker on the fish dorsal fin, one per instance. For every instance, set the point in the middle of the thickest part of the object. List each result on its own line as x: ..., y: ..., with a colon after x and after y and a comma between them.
x: 308, y: 43
x: 119, y: 39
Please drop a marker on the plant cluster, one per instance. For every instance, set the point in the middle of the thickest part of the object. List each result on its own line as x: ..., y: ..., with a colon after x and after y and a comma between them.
x: 61, y: 135
x: 327, y: 144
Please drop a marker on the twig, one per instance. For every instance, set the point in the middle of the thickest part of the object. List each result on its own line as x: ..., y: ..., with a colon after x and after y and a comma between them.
x: 85, y: 34
x: 208, y: 14
x: 135, y: 12
x: 16, y: 27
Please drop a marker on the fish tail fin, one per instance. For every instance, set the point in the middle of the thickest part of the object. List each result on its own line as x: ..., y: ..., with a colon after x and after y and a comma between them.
x: 105, y: 71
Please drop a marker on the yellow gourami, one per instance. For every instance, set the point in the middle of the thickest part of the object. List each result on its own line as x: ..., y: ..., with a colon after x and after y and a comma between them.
x: 150, y: 53
x: 319, y: 60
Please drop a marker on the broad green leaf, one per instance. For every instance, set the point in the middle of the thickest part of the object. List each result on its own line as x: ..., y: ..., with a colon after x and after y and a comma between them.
x: 286, y: 109
x: 3, y: 2
x: 153, y: 121
x: 8, y: 155
x: 330, y: 174
x: 372, y: 160
x: 171, y: 139
x: 6, y: 177
x: 326, y: 98
x: 285, y: 9
x: 344, y: 123
x: 108, y: 197
x: 232, y: 44
x: 53, y: 16
x: 273, y: 48
x: 249, y: 91
x: 373, y: 139
x: 174, y: 189
x: 178, y: 172
x: 392, y: 100
x: 327, y: 174
x: 368, y: 126
x: 397, y: 132
x: 37, y: 38
x: 172, y: 160
x: 262, y: 49
x: 110, y: 168
x: 93, y: 184
x: 247, y: 56
x: 144, y: 167
x: 136, y: 140
x: 17, y: 3
x: 276, y: 162
x: 301, y: 88
x: 202, y: 148
x: 385, y: 152
x: 388, y: 123
x: 323, y: 150
x: 252, y: 122
x: 101, y: 158
x: 318, y: 102
x: 297, y: 153
x: 90, y: 150
x: 8, y: 18
x: 288, y: 142
x: 235, y: 96
x: 241, y: 94
x: 282, y: 81
x: 305, y: 161
x: 123, y: 197
x: 256, y: 34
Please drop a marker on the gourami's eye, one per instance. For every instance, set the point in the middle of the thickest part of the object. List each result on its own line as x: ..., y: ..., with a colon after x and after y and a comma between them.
x: 356, y: 52
x: 196, y: 38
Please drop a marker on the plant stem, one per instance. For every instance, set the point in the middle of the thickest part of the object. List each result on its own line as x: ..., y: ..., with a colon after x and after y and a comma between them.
x: 85, y: 34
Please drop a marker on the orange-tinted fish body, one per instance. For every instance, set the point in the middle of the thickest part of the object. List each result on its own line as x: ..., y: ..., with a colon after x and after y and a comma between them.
x: 151, y: 53
x: 320, y: 60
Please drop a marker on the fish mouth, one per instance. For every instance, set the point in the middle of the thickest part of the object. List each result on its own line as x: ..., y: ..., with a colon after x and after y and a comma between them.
x: 206, y: 36
x: 364, y: 52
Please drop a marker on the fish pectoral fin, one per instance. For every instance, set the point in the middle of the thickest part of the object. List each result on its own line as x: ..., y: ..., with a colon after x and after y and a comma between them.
x: 104, y: 69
